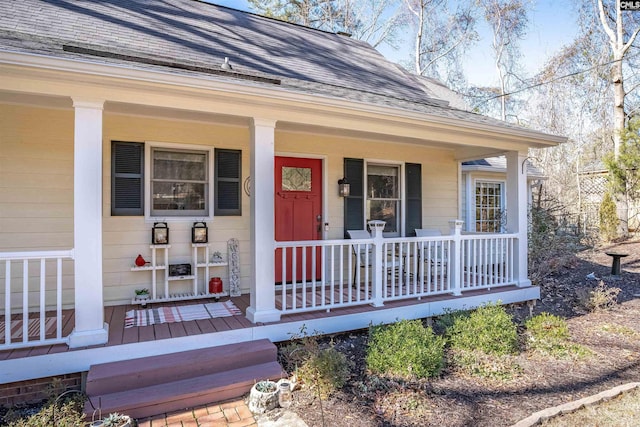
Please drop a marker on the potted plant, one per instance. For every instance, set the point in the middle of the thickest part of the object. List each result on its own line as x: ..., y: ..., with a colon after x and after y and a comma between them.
x: 142, y: 294
x: 263, y: 397
x: 117, y: 420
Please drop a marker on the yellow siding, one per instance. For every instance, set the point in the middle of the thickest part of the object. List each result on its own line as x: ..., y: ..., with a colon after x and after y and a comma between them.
x: 36, y: 178
x: 36, y: 187
x: 125, y: 236
x: 439, y: 172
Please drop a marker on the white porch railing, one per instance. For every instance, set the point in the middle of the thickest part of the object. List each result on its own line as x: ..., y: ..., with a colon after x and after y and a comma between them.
x: 326, y: 274
x: 31, y: 309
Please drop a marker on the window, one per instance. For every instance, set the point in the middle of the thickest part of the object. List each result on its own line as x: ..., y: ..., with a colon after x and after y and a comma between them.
x: 178, y: 181
x: 489, y: 206
x: 383, y: 196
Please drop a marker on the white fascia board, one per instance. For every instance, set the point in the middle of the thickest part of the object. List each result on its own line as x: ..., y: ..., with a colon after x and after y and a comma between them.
x: 246, y: 88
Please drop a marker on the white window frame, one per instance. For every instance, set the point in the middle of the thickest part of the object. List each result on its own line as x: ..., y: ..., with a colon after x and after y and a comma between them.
x: 402, y: 199
x: 474, y: 206
x: 148, y: 146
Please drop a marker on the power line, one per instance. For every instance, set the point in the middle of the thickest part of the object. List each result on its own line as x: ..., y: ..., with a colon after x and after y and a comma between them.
x: 555, y: 79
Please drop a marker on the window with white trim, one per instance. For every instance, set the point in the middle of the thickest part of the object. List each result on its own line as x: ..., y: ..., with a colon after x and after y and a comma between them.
x: 383, y: 195
x: 179, y: 182
x: 489, y: 204
x: 174, y: 182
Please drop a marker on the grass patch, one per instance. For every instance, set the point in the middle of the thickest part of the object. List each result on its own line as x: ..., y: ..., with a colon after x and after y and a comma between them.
x: 612, y: 328
x: 405, y: 349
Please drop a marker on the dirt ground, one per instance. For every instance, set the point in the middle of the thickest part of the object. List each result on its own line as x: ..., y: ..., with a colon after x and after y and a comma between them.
x: 454, y: 399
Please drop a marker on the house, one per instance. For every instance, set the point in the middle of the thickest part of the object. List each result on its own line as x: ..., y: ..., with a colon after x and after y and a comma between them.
x: 123, y: 119
x: 482, y: 181
x: 483, y: 192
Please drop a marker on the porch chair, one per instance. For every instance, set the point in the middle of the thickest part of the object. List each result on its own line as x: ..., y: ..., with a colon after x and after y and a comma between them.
x: 365, y: 256
x: 438, y: 254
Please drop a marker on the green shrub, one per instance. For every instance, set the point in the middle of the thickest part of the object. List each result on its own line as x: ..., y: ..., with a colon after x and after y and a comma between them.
x: 484, y: 342
x: 323, y: 369
x: 602, y: 297
x: 326, y: 371
x: 488, y: 329
x: 475, y: 362
x: 549, y: 334
x: 405, y: 349
x: 608, y: 218
x: 66, y: 412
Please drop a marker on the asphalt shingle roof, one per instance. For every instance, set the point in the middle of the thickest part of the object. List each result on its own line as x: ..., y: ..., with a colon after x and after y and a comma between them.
x: 192, y: 37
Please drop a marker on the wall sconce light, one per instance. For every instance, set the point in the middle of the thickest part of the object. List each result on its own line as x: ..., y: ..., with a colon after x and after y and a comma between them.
x: 160, y: 233
x: 344, y: 188
x: 199, y: 233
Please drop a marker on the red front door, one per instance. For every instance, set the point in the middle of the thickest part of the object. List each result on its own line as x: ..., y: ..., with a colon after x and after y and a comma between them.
x: 298, y: 213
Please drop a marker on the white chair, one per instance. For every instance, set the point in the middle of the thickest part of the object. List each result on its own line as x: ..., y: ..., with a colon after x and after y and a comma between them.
x: 438, y: 253
x: 364, y: 255
x: 363, y: 252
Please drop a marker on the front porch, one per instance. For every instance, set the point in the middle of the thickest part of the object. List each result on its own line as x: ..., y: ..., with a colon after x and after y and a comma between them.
x: 43, y: 361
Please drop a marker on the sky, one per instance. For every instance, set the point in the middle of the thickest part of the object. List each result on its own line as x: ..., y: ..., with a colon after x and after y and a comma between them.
x: 552, y: 24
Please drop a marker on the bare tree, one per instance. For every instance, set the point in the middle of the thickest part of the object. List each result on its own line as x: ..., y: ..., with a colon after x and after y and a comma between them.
x: 443, y: 31
x: 374, y: 21
x: 621, y: 38
x: 508, y: 20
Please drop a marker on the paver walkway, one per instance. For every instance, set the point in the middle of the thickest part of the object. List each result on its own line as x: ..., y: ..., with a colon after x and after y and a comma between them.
x: 232, y: 414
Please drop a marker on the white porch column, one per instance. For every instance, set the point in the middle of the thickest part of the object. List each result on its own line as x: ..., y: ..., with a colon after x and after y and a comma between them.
x: 263, y: 292
x: 455, y: 256
x: 90, y: 328
x: 517, y: 205
x: 377, y: 266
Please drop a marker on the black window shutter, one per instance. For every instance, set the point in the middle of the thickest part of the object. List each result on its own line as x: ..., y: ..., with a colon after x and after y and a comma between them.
x: 354, y: 203
x: 228, y: 173
x: 127, y: 178
x: 413, y: 179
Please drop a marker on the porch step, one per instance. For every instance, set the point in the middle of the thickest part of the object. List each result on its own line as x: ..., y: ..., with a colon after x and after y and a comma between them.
x: 158, y: 384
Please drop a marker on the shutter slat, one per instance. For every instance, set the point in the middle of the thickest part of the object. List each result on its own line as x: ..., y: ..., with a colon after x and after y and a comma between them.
x: 228, y: 175
x: 127, y: 178
x: 354, y: 203
x: 413, y: 179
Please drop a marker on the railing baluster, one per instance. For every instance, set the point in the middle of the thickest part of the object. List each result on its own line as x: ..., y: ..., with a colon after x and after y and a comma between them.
x: 303, y: 291
x: 59, y: 298
x: 25, y: 300
x: 31, y: 299
x: 42, y: 298
x: 284, y: 279
x: 314, y: 269
x: 7, y: 302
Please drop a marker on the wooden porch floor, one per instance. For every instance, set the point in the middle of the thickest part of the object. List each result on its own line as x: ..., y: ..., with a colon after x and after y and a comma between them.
x: 118, y: 334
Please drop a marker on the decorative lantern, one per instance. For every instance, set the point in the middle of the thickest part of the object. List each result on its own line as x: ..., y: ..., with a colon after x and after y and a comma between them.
x: 160, y: 234
x: 344, y: 188
x: 199, y: 233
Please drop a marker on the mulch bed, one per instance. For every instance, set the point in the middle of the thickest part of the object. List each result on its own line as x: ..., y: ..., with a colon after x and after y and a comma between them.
x: 455, y: 399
